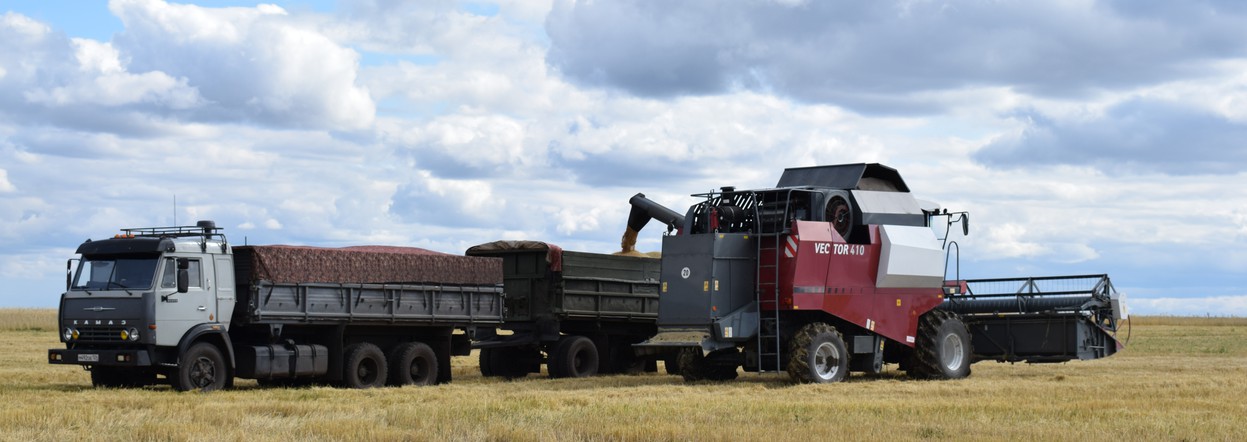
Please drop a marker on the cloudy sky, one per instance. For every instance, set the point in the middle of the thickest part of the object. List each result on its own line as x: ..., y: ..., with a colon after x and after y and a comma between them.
x: 1083, y: 136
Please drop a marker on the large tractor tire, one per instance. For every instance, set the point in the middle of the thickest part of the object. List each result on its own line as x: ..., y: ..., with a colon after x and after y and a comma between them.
x: 713, y: 367
x: 817, y: 354
x: 413, y: 363
x: 573, y: 357
x: 943, y: 348
x: 363, y: 366
x: 202, y: 368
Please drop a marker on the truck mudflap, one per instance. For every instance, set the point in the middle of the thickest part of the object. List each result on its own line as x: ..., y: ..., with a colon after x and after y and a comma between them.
x: 129, y: 357
x: 1039, y: 319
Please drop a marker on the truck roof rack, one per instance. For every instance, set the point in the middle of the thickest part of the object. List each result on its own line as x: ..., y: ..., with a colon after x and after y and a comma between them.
x: 202, y: 228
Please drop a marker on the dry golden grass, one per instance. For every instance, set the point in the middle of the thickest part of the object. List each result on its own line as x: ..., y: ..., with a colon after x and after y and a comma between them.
x: 1183, y: 381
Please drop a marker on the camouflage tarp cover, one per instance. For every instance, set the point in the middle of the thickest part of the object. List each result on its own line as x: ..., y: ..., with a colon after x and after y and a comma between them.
x: 363, y: 265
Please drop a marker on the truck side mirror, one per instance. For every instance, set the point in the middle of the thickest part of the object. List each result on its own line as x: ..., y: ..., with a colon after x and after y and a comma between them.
x: 965, y: 224
x: 183, y: 275
x: 69, y: 274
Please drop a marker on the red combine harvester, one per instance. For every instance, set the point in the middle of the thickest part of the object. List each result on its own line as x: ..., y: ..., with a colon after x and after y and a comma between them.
x: 839, y: 269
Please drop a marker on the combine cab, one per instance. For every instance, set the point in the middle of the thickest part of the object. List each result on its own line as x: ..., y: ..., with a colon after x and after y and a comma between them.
x: 838, y: 269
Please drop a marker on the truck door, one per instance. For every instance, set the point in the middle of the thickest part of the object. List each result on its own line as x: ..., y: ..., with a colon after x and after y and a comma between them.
x: 224, y: 289
x: 178, y: 312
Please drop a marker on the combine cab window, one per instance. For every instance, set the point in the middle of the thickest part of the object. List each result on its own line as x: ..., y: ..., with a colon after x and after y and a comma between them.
x: 115, y: 273
x: 170, y: 278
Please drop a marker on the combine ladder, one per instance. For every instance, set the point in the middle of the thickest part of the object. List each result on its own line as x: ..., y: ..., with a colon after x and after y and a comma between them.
x: 772, y: 229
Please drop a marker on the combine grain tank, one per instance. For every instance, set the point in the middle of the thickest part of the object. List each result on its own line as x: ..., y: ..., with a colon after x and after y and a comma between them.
x: 579, y: 313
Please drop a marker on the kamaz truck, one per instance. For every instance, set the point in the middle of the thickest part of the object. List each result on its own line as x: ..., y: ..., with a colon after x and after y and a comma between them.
x: 184, y: 305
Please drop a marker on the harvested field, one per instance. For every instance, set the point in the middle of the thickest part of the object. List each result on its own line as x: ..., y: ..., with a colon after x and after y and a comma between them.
x: 1181, y: 379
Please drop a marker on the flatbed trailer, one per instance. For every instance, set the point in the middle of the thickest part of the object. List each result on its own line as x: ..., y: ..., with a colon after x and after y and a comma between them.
x: 578, y: 313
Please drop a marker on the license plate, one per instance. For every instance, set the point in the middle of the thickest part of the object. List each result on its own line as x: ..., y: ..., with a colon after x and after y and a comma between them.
x: 86, y: 357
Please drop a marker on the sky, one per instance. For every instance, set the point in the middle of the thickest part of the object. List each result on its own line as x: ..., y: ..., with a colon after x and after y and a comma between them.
x: 1083, y: 137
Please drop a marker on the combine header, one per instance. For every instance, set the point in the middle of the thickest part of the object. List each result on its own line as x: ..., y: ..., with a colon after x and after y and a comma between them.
x: 839, y: 269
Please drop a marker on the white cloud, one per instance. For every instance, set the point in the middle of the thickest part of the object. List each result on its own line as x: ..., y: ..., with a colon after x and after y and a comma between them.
x: 456, y: 131
x: 5, y: 185
x: 1190, y: 306
x: 248, y: 63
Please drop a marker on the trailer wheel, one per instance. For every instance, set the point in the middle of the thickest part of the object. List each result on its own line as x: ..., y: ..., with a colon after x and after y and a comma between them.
x: 413, y: 363
x: 202, y: 368
x: 573, y: 357
x: 364, y: 366
x: 943, y: 350
x: 717, y: 366
x: 487, y: 362
x: 817, y: 354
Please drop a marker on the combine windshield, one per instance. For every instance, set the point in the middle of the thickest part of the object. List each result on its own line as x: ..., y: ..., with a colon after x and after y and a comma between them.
x: 115, y: 273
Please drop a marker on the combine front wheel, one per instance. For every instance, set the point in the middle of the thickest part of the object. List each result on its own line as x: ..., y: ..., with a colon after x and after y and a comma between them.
x: 943, y: 350
x: 818, y: 355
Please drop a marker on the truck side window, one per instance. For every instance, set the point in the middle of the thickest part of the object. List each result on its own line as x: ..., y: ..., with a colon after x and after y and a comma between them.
x: 170, y: 280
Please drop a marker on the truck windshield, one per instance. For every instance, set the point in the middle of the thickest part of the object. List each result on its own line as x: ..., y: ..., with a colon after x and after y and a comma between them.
x: 115, y: 273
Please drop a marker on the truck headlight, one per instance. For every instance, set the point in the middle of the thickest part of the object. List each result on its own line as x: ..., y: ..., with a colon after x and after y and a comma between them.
x: 130, y: 334
x: 69, y: 334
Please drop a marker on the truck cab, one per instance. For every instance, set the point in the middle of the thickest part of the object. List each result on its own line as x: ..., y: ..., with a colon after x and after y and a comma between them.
x: 134, y: 302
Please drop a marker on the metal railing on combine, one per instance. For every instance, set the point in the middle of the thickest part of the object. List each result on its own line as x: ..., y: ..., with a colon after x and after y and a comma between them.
x: 1082, y: 293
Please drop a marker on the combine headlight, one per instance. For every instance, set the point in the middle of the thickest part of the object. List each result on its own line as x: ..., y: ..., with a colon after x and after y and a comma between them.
x: 69, y: 334
x: 130, y: 334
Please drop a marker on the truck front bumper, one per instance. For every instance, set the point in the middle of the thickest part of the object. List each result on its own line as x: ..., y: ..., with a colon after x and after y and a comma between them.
x: 132, y: 357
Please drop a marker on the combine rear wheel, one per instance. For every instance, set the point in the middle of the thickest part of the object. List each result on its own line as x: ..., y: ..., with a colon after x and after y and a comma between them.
x: 573, y: 357
x: 943, y: 350
x: 817, y: 355
x: 717, y: 366
x: 413, y: 363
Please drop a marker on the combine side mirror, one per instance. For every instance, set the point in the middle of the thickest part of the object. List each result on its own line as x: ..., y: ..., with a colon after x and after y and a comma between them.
x: 183, y: 275
x: 965, y: 224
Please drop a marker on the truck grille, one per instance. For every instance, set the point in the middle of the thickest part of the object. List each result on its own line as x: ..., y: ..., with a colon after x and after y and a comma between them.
x: 96, y: 333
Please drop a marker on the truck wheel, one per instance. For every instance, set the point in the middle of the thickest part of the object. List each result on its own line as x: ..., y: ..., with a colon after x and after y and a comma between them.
x: 943, y: 350
x: 487, y: 362
x: 202, y: 368
x: 717, y: 366
x: 363, y: 366
x: 817, y: 354
x: 574, y: 357
x: 413, y: 363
